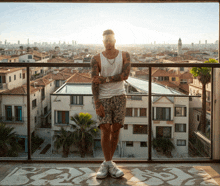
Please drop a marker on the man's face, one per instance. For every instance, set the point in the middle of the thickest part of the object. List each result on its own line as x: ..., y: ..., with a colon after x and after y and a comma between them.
x: 109, y: 41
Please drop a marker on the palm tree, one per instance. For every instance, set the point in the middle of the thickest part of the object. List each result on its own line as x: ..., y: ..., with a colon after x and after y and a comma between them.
x: 204, y: 77
x: 9, y: 146
x: 65, y: 139
x: 85, y: 131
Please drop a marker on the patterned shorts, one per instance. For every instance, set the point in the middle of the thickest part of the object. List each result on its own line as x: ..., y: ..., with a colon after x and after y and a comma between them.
x: 115, y: 109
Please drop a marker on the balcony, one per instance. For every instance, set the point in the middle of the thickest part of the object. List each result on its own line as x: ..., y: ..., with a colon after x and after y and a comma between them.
x: 12, y: 120
x: 123, y: 156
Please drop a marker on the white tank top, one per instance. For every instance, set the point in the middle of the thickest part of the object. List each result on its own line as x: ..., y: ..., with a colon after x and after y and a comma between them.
x: 108, y: 90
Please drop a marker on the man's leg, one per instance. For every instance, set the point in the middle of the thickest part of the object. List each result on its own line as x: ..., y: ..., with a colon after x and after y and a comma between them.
x: 115, y: 130
x: 105, y: 140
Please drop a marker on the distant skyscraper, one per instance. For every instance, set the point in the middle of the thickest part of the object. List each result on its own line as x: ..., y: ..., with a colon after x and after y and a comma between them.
x: 199, y: 42
x: 5, y: 42
x: 28, y: 41
x: 155, y: 42
x: 18, y: 42
x: 206, y: 42
x: 179, y: 46
x: 59, y: 42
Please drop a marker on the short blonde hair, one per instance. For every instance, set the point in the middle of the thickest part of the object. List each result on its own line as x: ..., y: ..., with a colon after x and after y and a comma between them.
x: 107, y: 32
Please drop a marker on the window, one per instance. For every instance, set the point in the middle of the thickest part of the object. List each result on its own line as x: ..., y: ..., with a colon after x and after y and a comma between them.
x: 135, y: 112
x: 35, y: 72
x: 181, y: 68
x: 180, y: 127
x: 160, y: 78
x: 197, y: 117
x: 163, y: 113
x: 42, y: 94
x: 126, y: 126
x: 183, y: 81
x: 143, y: 144
x: 173, y: 79
x: 128, y: 111
x: 76, y: 100
x: 129, y: 143
x: 136, y: 97
x: 23, y: 75
x: 34, y: 103
x: 20, y: 75
x: 190, y: 98
x: 181, y: 142
x: 3, y: 79
x: 41, y: 71
x: 57, y: 83
x: 166, y: 78
x: 18, y: 113
x: 63, y: 117
x: 180, y: 111
x: 8, y: 113
x: 45, y: 110
x: 29, y: 56
x: 139, y: 129
x: 164, y: 132
x: 14, y: 77
x: 143, y: 112
x: 9, y: 78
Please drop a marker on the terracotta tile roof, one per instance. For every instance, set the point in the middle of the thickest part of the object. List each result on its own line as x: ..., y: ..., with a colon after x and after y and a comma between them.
x: 67, y: 70
x: 57, y: 60
x: 21, y: 90
x: 168, y: 83
x: 79, y: 78
x: 7, y: 70
x: 160, y: 72
x: 42, y: 81
x: 186, y: 75
x: 184, y: 87
x: 59, y: 76
x: 140, y: 72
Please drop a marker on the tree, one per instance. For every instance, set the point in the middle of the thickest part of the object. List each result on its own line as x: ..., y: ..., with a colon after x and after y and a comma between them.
x: 204, y: 77
x: 164, y: 144
x: 9, y: 146
x: 85, y: 131
x: 82, y: 137
x: 21, y: 47
x: 65, y: 139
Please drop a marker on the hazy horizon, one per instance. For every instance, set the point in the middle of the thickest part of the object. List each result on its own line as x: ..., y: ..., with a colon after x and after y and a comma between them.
x: 133, y: 23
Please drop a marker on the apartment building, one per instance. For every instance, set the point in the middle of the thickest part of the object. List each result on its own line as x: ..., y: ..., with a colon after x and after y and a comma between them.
x: 170, y: 114
x: 11, y: 77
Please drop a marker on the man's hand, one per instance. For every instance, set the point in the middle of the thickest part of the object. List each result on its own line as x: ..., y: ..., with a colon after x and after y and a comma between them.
x: 99, y: 80
x: 99, y: 109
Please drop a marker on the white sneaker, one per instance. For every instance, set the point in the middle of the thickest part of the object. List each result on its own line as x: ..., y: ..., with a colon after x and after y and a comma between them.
x: 114, y: 171
x: 103, y: 171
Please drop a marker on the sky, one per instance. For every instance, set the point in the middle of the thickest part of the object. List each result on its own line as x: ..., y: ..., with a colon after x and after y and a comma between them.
x: 132, y: 23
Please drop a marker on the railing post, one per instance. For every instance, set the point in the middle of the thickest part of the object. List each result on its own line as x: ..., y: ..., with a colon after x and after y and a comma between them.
x: 211, y: 124
x: 149, y: 115
x: 28, y: 113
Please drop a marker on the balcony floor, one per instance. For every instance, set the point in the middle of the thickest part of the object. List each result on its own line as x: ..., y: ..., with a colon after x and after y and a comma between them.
x: 85, y: 174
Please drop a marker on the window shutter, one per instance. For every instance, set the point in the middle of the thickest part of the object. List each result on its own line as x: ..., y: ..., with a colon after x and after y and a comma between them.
x: 67, y: 117
x: 3, y: 79
x: 174, y: 111
x: 184, y: 111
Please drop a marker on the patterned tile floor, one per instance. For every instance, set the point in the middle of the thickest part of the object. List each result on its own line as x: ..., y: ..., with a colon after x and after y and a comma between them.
x: 85, y: 174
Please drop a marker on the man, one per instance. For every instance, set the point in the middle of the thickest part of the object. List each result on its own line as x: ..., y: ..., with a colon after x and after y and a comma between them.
x: 110, y: 99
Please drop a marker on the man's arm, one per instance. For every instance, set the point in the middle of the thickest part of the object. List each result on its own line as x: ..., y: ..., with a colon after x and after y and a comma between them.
x: 95, y: 72
x: 125, y: 70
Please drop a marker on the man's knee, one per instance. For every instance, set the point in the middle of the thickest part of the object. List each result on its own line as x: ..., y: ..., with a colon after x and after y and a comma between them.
x: 116, y: 127
x: 105, y: 127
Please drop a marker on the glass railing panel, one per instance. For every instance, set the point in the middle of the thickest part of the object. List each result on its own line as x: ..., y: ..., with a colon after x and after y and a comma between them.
x: 177, y: 127
x: 13, y: 114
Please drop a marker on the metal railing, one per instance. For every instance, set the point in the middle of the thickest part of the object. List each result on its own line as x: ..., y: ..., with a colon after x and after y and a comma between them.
x: 149, y: 65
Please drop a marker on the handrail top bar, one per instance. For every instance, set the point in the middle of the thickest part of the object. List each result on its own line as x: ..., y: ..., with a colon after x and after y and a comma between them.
x: 214, y: 65
x: 166, y: 95
x: 120, y: 1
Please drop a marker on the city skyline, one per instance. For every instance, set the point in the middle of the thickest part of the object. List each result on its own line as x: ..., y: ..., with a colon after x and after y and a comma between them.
x: 132, y: 23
